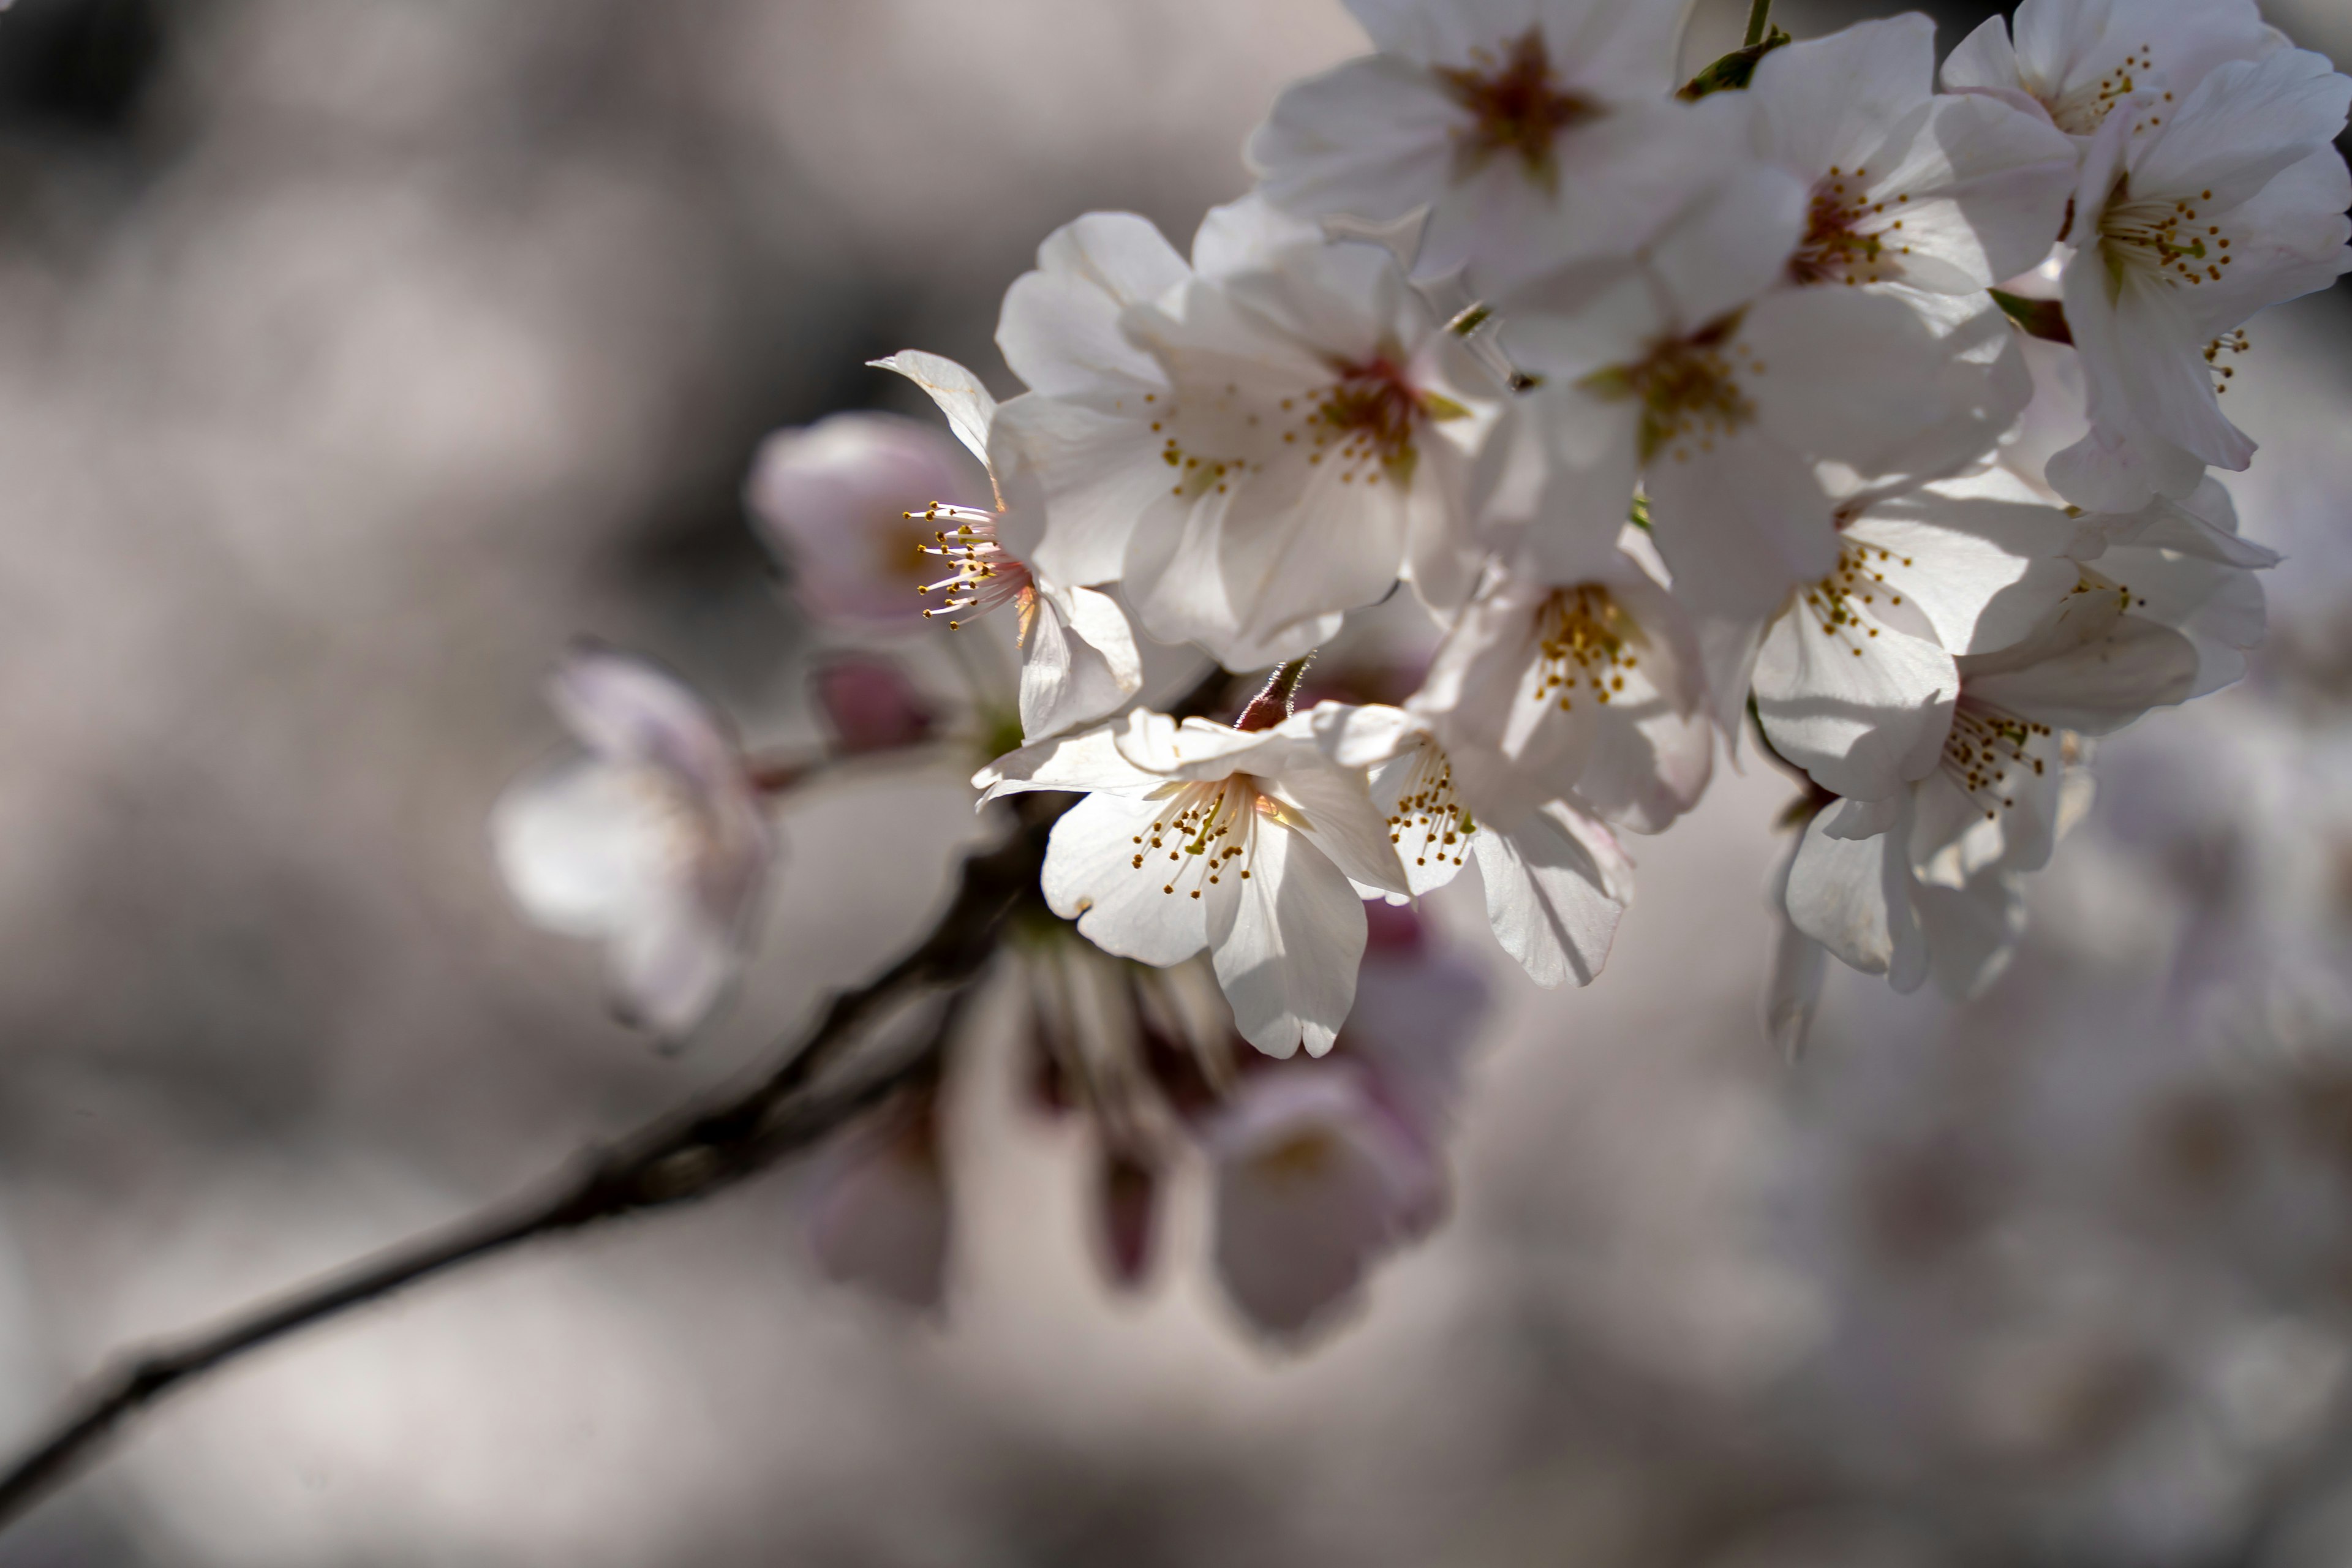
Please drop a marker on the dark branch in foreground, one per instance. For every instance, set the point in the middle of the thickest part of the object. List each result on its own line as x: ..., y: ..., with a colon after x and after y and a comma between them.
x: 683, y: 1157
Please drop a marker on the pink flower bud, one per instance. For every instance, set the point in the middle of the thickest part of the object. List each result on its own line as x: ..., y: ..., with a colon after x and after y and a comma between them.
x: 871, y: 706
x: 1127, y: 1192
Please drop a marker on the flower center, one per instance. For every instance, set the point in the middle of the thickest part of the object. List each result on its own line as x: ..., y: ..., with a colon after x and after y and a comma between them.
x: 1203, y: 829
x: 1583, y: 638
x: 983, y: 576
x: 1837, y: 246
x: 1427, y: 810
x: 1837, y: 601
x: 1689, y: 389
x: 2081, y: 111
x: 1517, y: 108
x: 1365, y: 423
x: 1987, y: 749
x: 2161, y: 238
x: 1305, y: 1155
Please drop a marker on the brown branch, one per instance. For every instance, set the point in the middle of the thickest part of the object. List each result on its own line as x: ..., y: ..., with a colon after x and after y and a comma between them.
x: 688, y: 1155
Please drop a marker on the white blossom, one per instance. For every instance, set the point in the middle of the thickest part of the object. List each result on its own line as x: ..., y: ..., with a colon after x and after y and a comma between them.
x: 2185, y: 227
x: 1249, y: 843
x: 1948, y: 195
x: 1533, y: 131
x: 652, y: 841
x: 2185, y: 565
x: 1854, y: 888
x: 1078, y: 658
x: 1581, y: 681
x: 1257, y: 449
x: 2075, y: 61
x: 1924, y: 881
x: 1745, y: 408
x: 1555, y: 879
x: 1855, y: 678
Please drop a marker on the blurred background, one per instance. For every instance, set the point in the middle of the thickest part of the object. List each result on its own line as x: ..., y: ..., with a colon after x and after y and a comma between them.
x: 355, y: 355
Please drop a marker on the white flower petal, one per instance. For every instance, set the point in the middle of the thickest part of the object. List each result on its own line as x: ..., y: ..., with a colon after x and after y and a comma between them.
x: 1079, y: 662
x: 1285, y: 941
x: 1741, y: 526
x: 1853, y: 895
x: 1089, y: 760
x: 1091, y: 877
x: 2101, y: 686
x: 1341, y: 820
x: 1795, y: 991
x: 1864, y: 714
x: 584, y: 845
x: 1098, y: 474
x: 968, y: 405
x: 1059, y: 329
x: 1556, y: 886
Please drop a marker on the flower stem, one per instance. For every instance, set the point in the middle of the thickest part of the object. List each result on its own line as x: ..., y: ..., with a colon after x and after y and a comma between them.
x: 1272, y: 705
x: 1759, y: 18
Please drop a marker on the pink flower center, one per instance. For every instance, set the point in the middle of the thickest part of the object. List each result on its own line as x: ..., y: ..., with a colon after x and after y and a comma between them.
x: 985, y: 576
x: 1517, y: 108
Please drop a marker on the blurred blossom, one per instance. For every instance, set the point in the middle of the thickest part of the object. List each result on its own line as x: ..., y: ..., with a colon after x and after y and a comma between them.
x: 1321, y: 1169
x: 654, y: 842
x: 870, y: 705
x: 877, y: 1210
x: 1314, y: 1182
x: 833, y: 500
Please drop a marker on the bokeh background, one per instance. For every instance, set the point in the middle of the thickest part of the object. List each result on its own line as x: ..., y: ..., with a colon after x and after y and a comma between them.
x: 355, y: 354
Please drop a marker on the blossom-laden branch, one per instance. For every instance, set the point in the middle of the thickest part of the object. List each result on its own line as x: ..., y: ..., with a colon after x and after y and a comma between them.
x: 681, y: 1158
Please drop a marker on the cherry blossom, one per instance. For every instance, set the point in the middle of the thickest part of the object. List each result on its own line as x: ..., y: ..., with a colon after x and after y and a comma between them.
x: 1583, y: 681
x: 2185, y: 227
x: 2074, y: 62
x: 1949, y: 194
x: 1729, y: 397
x: 652, y: 839
x: 1078, y: 660
x: 1534, y: 132
x: 1855, y: 681
x: 1923, y: 880
x: 1249, y: 843
x: 1556, y: 880
x: 1265, y: 446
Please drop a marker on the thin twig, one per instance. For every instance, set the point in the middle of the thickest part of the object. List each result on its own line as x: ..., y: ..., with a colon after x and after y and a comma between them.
x: 1760, y: 16
x: 676, y: 1160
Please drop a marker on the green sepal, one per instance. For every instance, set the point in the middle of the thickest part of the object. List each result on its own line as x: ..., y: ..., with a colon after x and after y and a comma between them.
x: 1734, y: 70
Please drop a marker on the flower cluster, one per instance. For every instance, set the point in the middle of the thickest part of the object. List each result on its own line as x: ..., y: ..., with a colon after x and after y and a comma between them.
x: 1870, y: 408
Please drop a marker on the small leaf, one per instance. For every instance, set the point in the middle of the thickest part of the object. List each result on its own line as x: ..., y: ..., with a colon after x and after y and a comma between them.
x: 1437, y: 405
